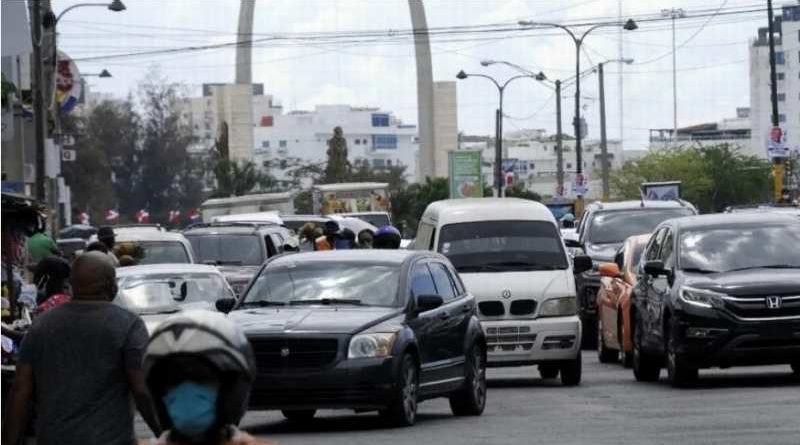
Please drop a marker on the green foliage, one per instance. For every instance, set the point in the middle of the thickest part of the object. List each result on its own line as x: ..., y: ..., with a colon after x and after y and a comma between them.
x: 238, y: 178
x: 409, y: 203
x: 303, y: 203
x: 395, y: 175
x: 712, y: 178
x: 6, y: 89
x: 519, y: 191
x: 338, y: 168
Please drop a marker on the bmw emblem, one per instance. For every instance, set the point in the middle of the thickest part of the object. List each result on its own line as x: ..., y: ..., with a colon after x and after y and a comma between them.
x: 506, y: 294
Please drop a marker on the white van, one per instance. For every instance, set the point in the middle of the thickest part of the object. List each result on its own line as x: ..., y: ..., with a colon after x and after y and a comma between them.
x: 510, y: 255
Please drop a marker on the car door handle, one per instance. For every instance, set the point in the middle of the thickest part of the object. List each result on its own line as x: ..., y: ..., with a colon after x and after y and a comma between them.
x: 466, y: 308
x: 444, y: 315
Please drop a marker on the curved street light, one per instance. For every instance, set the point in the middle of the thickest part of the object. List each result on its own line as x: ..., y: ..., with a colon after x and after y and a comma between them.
x: 629, y: 25
x: 498, y: 144
x: 115, y: 6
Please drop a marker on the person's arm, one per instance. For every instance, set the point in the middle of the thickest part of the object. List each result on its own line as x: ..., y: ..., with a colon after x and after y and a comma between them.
x: 19, y: 406
x: 143, y: 401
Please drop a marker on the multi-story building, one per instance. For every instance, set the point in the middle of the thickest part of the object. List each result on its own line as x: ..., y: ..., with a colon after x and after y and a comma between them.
x: 733, y: 131
x: 787, y: 59
x: 373, y: 135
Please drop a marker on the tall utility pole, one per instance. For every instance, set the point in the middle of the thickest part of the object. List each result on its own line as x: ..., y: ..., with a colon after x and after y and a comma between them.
x: 38, y: 97
x: 620, y: 49
x: 778, y: 168
x: 559, y: 137
x: 674, y: 14
x: 603, y: 141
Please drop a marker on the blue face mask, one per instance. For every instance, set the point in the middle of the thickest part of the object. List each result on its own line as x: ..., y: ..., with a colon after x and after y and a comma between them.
x: 192, y: 408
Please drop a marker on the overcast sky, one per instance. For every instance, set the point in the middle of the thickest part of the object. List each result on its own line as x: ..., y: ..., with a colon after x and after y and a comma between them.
x: 712, y: 62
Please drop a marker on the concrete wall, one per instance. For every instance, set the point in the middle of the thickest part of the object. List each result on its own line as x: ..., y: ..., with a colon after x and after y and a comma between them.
x: 445, y: 125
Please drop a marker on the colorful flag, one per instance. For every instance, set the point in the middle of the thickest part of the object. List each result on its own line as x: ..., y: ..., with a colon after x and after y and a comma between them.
x: 112, y: 216
x: 143, y: 217
x: 194, y: 216
x: 174, y: 217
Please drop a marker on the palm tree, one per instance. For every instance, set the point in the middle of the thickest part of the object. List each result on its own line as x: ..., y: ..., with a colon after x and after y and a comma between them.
x: 237, y: 179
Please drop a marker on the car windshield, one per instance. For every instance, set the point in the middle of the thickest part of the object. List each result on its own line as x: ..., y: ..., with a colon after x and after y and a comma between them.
x: 723, y: 249
x: 163, y: 252
x: 241, y: 250
x: 376, y: 220
x: 363, y: 283
x: 502, y: 246
x: 170, y: 292
x: 614, y: 226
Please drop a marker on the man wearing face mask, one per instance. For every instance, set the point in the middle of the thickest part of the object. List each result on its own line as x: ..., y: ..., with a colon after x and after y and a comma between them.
x: 199, y: 368
x: 81, y: 362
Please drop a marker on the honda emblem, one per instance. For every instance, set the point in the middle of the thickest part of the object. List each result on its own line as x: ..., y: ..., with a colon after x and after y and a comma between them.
x: 285, y: 352
x: 774, y: 302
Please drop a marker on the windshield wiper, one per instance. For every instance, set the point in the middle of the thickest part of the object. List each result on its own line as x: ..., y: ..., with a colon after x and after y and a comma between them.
x: 699, y: 270
x: 328, y: 301
x: 768, y: 266
x: 263, y: 303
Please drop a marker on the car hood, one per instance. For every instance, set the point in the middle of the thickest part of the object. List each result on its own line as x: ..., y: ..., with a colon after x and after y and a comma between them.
x: 151, y: 321
x: 238, y: 274
x: 538, y: 285
x: 750, y: 282
x: 602, y: 252
x: 320, y: 319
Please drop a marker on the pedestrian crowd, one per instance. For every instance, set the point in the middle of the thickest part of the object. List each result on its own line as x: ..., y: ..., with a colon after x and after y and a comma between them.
x: 86, y: 365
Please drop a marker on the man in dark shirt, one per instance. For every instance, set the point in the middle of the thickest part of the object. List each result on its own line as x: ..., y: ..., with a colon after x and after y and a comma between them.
x: 83, y: 360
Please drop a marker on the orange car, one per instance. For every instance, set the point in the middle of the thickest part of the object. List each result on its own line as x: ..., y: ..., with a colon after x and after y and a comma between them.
x: 614, y: 302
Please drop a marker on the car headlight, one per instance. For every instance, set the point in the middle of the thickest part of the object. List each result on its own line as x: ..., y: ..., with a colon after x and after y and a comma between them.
x: 559, y: 307
x: 700, y: 297
x: 371, y: 345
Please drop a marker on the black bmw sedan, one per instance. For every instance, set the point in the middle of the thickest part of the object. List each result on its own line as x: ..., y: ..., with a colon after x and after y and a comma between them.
x: 368, y: 330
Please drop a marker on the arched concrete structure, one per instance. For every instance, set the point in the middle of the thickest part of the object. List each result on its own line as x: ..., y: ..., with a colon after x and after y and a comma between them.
x: 422, y: 50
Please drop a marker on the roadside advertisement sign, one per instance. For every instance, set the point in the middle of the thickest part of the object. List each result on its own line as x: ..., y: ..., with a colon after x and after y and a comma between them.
x: 580, y: 186
x: 466, y: 180
x: 661, y: 191
x: 776, y: 146
x: 68, y: 83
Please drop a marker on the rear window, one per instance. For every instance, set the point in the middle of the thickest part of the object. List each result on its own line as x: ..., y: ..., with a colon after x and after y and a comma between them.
x: 221, y: 249
x: 162, y: 252
x: 612, y: 227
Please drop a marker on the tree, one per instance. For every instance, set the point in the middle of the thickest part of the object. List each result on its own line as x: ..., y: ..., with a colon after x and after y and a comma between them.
x: 338, y: 167
x: 712, y: 178
x: 518, y: 190
x: 409, y: 204
x: 394, y: 175
x: 166, y: 181
x: 239, y: 178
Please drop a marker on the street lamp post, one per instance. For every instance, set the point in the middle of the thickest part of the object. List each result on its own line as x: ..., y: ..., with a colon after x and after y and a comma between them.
x: 630, y: 25
x: 674, y: 13
x: 498, y: 145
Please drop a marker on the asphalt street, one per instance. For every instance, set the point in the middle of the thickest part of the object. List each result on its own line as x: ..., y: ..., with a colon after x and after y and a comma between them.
x: 758, y: 405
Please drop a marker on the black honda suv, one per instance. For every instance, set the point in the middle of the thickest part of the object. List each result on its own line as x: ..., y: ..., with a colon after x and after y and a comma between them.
x: 368, y: 330
x: 601, y: 232
x: 717, y: 290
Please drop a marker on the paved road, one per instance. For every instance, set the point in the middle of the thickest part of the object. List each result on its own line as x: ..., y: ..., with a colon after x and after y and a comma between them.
x: 735, y: 406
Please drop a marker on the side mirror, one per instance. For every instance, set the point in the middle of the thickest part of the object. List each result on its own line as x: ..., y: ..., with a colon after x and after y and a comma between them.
x: 428, y: 302
x: 225, y: 305
x: 655, y: 268
x: 572, y: 243
x: 581, y: 263
x: 610, y: 270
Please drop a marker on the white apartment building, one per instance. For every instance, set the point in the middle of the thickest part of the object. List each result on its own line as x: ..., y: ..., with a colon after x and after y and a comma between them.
x: 372, y: 135
x: 787, y: 58
x: 734, y: 131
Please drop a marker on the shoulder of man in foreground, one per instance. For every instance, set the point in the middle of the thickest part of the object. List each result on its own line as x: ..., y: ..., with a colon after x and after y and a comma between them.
x: 240, y: 438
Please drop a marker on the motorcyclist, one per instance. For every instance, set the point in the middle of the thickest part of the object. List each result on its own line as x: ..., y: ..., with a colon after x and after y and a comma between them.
x: 387, y: 237
x: 199, y: 368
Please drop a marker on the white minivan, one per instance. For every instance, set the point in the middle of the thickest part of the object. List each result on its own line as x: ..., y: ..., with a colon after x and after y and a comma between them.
x: 510, y: 255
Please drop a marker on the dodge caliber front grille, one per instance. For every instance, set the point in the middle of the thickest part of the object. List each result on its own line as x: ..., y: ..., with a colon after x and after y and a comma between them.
x: 764, y: 307
x: 293, y: 353
x: 509, y: 338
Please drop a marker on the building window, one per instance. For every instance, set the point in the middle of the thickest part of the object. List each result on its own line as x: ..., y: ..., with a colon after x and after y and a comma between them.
x: 380, y: 120
x: 264, y: 144
x: 782, y: 118
x: 282, y: 144
x: 569, y: 164
x: 358, y: 141
x: 378, y: 163
x: 781, y: 76
x: 267, y: 121
x: 781, y: 97
x: 779, y: 59
x: 384, y: 141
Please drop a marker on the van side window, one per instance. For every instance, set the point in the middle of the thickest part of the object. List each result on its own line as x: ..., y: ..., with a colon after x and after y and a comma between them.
x: 271, y: 250
x: 432, y: 244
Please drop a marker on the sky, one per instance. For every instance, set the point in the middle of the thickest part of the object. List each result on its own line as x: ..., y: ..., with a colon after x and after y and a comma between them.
x: 300, y: 72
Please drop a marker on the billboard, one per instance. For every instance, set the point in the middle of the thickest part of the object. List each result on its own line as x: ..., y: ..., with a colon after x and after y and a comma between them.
x: 466, y: 180
x: 661, y: 191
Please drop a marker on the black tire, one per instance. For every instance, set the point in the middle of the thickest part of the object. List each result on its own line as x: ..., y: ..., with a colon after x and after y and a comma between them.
x: 402, y: 409
x: 571, y: 371
x: 604, y: 354
x: 548, y: 371
x: 627, y: 359
x: 796, y: 367
x: 470, y: 400
x: 646, y: 368
x: 589, y: 336
x: 679, y: 373
x: 299, y: 415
